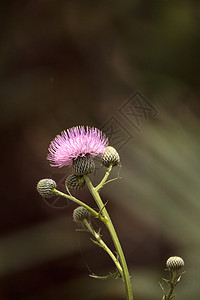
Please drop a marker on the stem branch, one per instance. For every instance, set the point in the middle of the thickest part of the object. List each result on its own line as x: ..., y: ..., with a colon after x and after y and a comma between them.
x: 70, y: 197
x: 104, y: 246
x: 172, y: 286
x: 101, y: 184
x: 112, y: 231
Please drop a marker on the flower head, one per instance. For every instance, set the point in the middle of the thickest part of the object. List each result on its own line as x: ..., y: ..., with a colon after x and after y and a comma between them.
x: 76, y: 142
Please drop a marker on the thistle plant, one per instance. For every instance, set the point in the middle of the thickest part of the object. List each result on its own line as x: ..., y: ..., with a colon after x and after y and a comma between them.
x: 76, y: 148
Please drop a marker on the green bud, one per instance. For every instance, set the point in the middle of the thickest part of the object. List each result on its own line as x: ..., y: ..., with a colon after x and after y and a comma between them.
x: 110, y: 157
x: 75, y: 182
x: 80, y: 214
x: 45, y: 187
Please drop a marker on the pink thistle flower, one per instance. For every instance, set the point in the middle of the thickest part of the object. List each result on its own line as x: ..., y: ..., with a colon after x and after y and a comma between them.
x: 76, y: 142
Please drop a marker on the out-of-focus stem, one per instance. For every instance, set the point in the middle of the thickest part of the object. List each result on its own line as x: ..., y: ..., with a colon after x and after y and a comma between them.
x: 172, y: 286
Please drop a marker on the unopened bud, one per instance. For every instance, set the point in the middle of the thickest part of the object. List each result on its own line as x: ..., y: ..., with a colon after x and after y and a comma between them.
x: 80, y: 214
x: 110, y: 157
x: 75, y: 182
x: 174, y: 263
x: 45, y: 187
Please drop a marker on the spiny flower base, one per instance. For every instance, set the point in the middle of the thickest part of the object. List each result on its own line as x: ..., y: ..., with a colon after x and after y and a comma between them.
x: 83, y: 165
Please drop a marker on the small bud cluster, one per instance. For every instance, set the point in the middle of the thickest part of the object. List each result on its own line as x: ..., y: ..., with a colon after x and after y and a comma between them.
x: 110, y: 157
x: 80, y: 214
x: 45, y: 187
x: 174, y: 263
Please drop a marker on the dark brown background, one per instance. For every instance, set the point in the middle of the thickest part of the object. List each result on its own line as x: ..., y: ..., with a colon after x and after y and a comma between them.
x: 66, y: 63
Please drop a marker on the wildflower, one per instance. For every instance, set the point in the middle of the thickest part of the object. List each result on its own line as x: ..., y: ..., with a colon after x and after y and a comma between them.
x: 71, y: 146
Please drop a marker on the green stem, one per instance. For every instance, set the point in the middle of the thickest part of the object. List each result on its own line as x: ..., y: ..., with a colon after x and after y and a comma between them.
x: 172, y: 286
x: 113, y: 234
x: 103, y: 245
x: 70, y: 197
x: 101, y: 184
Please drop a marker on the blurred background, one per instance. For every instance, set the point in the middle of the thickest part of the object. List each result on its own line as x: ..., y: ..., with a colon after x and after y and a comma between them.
x: 130, y: 68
